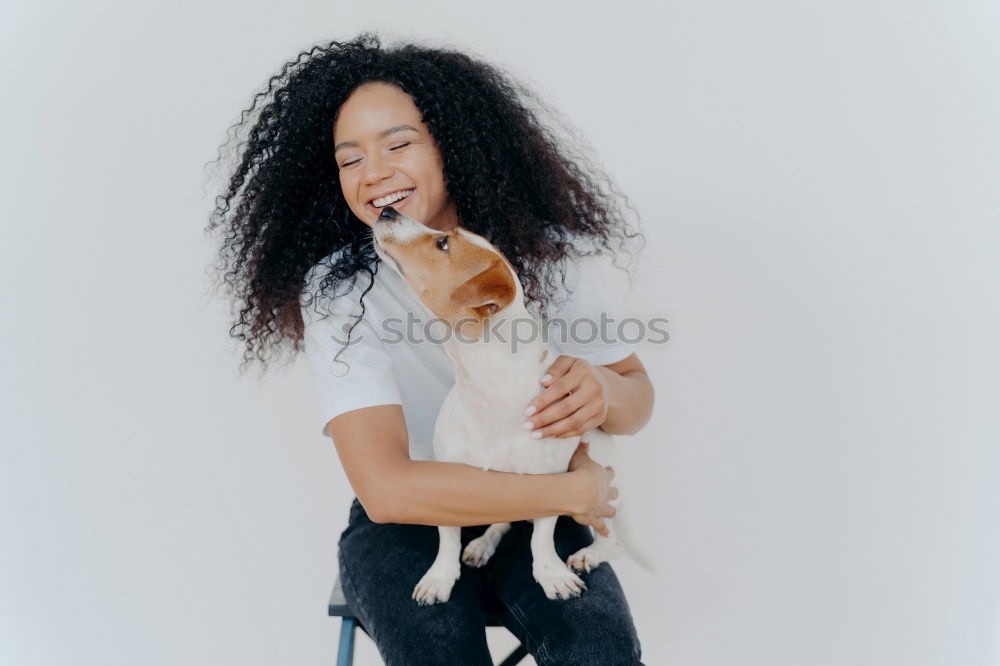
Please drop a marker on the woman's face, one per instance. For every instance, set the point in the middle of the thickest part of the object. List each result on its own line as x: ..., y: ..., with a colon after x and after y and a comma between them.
x: 381, y: 147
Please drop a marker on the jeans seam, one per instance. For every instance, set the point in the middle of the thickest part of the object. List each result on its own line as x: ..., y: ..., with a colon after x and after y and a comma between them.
x: 542, y: 657
x: 358, y: 607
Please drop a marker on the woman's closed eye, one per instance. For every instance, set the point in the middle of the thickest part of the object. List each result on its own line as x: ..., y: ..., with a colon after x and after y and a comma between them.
x: 347, y: 164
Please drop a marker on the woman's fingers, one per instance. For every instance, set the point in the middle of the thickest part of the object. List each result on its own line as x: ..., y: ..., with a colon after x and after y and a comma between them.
x: 561, y: 416
x: 556, y: 383
x: 580, y: 421
x: 608, y: 511
x: 596, y: 516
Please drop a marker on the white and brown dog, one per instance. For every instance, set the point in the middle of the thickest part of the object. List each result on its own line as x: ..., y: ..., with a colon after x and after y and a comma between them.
x: 463, y: 279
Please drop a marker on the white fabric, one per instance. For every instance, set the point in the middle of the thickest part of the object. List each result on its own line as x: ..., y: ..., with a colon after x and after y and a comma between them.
x: 384, y: 368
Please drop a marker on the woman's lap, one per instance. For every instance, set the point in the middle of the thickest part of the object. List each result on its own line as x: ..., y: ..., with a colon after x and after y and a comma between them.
x: 594, y: 628
x: 381, y: 564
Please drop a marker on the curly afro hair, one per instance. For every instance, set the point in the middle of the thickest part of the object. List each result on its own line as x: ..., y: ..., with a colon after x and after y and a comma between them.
x: 513, y: 180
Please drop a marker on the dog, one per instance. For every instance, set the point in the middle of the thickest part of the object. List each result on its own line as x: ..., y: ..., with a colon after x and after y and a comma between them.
x: 464, y: 280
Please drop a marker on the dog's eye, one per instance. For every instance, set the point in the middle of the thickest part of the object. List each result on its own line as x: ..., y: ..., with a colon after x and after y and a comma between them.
x: 442, y: 243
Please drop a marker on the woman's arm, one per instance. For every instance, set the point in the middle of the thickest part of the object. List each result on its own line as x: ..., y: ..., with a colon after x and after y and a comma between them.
x: 617, y: 398
x: 630, y: 396
x: 373, y: 444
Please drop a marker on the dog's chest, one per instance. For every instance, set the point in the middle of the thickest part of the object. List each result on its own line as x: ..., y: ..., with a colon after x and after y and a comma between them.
x: 487, y: 434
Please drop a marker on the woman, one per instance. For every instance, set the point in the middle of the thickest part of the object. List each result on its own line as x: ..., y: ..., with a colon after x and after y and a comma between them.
x: 345, y: 129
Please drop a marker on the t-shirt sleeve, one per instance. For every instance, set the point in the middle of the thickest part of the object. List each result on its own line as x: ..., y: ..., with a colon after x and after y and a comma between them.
x: 587, y: 323
x: 362, y: 374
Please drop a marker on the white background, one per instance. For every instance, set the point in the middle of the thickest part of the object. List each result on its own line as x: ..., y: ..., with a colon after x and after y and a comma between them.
x: 819, y: 185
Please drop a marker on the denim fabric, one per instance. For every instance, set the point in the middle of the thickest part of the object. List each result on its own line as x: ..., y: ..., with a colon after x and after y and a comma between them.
x: 381, y: 563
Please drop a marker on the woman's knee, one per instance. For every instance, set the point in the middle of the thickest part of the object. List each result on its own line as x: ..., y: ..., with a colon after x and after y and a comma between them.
x: 601, y: 641
x: 595, y: 628
x: 379, y: 567
x: 445, y: 634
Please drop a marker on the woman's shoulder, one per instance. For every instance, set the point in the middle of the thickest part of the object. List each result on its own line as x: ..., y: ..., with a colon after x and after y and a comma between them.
x: 581, y: 280
x: 321, y: 294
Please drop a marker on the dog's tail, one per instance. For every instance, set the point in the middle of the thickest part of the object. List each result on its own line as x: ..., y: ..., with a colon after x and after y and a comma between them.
x: 626, y: 537
x: 607, y: 452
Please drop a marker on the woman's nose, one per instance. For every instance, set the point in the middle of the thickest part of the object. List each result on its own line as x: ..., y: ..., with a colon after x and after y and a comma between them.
x: 376, y: 169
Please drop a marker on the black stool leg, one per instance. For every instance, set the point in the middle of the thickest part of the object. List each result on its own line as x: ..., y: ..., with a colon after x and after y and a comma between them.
x: 514, y: 657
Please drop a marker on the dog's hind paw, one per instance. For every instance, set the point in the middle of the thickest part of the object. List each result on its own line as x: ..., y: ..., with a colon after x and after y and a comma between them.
x: 433, y: 588
x: 559, y: 582
x: 590, y: 557
x: 479, y: 551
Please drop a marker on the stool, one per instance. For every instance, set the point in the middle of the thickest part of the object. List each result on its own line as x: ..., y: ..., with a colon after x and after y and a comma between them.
x: 348, y: 623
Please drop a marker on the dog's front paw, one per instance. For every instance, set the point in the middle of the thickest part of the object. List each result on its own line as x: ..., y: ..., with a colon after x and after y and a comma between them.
x: 434, y: 587
x: 558, y: 582
x: 479, y: 551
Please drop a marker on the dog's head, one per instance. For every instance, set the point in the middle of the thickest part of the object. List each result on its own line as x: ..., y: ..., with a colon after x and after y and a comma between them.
x: 460, y: 276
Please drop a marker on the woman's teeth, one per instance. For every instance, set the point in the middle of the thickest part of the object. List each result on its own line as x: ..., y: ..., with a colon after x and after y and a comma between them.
x: 391, y: 198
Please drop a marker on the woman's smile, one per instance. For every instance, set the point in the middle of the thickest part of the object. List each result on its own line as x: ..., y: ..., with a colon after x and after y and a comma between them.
x: 399, y: 203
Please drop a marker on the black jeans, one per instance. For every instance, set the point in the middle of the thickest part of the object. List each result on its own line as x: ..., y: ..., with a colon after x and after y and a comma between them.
x: 380, y: 565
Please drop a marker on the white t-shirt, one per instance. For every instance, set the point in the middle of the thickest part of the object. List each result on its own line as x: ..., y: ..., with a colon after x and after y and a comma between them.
x: 381, y: 366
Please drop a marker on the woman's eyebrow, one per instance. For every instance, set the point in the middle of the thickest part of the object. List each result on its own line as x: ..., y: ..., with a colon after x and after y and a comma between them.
x: 381, y: 135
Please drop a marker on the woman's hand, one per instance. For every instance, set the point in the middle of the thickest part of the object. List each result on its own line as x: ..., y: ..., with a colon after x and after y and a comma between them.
x: 574, y: 401
x: 598, y: 491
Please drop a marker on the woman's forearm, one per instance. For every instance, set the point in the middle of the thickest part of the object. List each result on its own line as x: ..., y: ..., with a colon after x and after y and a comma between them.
x: 440, y: 493
x: 631, y: 401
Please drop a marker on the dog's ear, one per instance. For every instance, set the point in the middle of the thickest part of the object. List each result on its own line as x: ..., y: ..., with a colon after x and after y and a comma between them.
x: 487, y: 292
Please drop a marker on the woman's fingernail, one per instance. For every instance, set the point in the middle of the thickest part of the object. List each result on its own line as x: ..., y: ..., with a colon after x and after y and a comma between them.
x: 527, y: 425
x: 537, y: 434
x: 546, y: 378
x: 529, y: 411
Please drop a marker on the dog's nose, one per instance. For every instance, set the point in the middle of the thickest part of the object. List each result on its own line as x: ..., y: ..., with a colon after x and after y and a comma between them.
x: 389, y: 214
